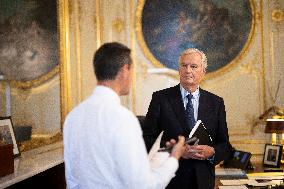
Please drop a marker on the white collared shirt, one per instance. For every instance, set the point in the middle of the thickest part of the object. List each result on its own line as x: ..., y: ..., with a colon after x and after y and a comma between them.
x: 194, y: 100
x: 104, y: 148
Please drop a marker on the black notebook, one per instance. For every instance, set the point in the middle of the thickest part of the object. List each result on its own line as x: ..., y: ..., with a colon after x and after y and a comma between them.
x: 199, y: 131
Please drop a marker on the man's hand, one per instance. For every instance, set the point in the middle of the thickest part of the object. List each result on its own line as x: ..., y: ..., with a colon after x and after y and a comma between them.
x: 179, y: 148
x: 200, y: 152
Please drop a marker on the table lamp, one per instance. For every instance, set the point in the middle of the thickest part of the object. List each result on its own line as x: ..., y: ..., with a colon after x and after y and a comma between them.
x: 275, y: 126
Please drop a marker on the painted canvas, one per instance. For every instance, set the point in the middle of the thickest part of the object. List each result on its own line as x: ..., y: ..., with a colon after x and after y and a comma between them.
x: 220, y: 28
x: 28, y: 38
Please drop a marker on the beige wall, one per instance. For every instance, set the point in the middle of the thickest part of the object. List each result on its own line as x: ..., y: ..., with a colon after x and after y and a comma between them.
x: 38, y: 107
x: 245, y: 87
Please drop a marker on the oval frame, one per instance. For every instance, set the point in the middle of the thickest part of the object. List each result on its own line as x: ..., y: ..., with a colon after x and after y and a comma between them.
x: 50, y: 73
x: 35, y: 82
x: 63, y: 69
x: 213, y: 74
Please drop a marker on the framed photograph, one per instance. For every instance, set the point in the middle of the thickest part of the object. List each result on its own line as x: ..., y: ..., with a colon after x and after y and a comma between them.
x: 272, y: 155
x: 7, y: 134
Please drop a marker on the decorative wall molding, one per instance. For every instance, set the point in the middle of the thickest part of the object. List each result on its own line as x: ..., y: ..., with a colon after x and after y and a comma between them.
x: 118, y: 25
x: 277, y: 15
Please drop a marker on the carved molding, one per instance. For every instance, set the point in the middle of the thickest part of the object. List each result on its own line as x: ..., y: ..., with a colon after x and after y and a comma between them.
x: 118, y: 25
x: 277, y: 15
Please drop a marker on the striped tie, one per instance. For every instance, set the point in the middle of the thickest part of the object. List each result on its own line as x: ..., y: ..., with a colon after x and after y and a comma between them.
x: 190, y: 112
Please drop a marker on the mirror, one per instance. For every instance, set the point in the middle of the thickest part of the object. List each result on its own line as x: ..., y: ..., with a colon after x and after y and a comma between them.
x: 34, y: 58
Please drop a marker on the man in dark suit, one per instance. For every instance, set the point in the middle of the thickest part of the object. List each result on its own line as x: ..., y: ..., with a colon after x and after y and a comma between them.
x: 175, y: 111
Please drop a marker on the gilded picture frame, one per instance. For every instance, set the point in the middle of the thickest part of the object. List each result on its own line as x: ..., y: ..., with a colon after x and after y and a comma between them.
x: 30, y: 41
x: 60, y: 79
x: 165, y: 28
x: 60, y: 29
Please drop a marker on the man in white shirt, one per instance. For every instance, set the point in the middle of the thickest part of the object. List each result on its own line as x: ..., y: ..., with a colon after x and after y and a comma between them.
x: 103, y: 144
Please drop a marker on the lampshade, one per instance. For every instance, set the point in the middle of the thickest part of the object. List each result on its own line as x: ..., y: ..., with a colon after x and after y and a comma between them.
x: 274, y: 126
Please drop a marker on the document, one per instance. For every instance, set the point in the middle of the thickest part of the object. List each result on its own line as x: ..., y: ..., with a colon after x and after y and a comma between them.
x: 157, y: 158
x: 250, y: 182
x: 156, y: 146
x: 199, y: 131
x: 234, y: 182
x: 263, y: 182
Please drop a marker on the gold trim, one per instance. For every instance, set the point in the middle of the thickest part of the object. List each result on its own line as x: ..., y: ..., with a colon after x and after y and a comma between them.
x: 249, y: 67
x: 35, y: 82
x: 49, y: 75
x: 140, y: 37
x: 263, y: 61
x: 65, y: 78
x: 98, y: 22
x: 38, y: 141
x: 132, y: 36
x: 272, y: 65
x: 78, y: 49
x: 277, y: 15
x: 118, y: 25
x: 25, y: 94
x: 223, y: 70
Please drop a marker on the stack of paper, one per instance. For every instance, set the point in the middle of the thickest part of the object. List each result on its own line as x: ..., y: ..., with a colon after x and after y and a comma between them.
x: 230, y: 172
x: 235, y: 182
x: 251, y: 182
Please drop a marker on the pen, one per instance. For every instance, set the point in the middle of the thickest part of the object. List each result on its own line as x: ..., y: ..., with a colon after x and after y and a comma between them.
x: 190, y: 141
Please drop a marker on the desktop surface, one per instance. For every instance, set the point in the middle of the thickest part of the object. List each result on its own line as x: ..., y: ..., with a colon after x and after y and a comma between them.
x: 257, y: 174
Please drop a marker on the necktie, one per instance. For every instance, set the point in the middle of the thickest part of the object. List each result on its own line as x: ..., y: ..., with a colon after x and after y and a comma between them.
x: 190, y: 112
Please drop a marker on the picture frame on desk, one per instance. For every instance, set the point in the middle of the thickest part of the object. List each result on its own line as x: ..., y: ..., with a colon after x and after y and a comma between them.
x: 7, y: 134
x: 272, y: 155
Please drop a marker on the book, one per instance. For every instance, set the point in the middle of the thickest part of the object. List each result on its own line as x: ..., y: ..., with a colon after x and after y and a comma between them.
x: 199, y: 131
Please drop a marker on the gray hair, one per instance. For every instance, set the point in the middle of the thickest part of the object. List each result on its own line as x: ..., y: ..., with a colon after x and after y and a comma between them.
x: 194, y: 50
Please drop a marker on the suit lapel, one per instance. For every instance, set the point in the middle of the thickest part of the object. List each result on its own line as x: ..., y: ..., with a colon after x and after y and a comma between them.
x: 203, y: 105
x: 178, y: 107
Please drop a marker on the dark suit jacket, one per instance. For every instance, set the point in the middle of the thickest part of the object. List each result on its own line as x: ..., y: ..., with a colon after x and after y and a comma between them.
x: 167, y: 113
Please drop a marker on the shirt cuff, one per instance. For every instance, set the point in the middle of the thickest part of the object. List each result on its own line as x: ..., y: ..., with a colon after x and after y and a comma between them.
x: 173, y: 162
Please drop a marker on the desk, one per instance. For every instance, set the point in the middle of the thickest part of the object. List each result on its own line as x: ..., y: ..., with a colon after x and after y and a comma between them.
x: 41, y: 165
x: 257, y: 173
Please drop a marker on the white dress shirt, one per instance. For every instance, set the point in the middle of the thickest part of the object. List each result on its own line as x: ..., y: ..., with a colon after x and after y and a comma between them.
x: 194, y: 100
x: 104, y: 148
